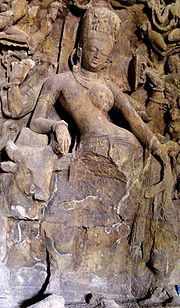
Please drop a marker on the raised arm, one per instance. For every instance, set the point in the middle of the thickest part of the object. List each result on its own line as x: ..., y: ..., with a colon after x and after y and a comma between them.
x: 161, y: 14
x: 16, y: 104
x: 17, y: 101
x: 50, y: 92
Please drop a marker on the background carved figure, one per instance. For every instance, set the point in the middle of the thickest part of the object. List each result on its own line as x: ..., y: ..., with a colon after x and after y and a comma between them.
x: 163, y: 28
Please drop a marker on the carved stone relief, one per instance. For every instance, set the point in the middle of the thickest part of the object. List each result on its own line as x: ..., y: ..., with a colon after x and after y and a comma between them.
x: 90, y: 153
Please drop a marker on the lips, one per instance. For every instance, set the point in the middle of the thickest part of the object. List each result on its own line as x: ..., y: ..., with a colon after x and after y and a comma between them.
x: 95, y: 62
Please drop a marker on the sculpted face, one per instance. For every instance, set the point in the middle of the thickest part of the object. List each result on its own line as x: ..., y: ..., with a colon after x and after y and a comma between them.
x: 175, y: 114
x: 173, y: 64
x: 95, y: 54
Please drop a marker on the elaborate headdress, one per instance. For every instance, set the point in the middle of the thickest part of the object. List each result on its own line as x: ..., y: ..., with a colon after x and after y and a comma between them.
x: 100, y: 21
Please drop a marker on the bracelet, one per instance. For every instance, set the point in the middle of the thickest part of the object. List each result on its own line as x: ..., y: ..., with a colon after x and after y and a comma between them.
x: 154, y: 144
x: 158, y: 89
x: 53, y: 127
x: 46, y: 98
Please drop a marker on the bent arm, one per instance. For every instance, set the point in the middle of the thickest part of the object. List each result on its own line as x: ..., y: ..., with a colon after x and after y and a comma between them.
x: 162, y: 16
x: 50, y: 92
x: 138, y: 127
x: 162, y: 26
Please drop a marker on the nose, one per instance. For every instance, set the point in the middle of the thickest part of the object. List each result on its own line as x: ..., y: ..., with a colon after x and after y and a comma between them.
x: 96, y: 55
x: 32, y: 189
x: 40, y: 194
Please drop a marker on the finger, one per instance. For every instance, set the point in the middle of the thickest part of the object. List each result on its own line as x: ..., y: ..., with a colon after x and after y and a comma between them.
x: 69, y: 142
x: 59, y: 139
x: 56, y: 148
x: 61, y: 146
x: 66, y: 147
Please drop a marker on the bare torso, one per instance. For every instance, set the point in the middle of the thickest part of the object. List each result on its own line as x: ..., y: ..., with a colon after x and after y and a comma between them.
x: 89, y: 106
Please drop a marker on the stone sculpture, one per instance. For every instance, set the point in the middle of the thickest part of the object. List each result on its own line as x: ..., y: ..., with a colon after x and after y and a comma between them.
x: 103, y: 94
x: 89, y: 171
x: 165, y: 20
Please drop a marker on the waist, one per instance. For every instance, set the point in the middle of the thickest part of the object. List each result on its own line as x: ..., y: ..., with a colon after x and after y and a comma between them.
x: 103, y: 138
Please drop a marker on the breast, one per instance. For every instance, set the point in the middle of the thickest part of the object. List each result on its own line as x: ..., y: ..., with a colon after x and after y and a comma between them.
x: 101, y: 97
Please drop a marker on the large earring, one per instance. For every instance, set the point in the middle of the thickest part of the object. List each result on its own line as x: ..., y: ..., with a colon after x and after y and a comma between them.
x: 72, y: 57
x: 107, y: 63
x: 79, y: 54
x: 83, y: 7
x: 76, y: 58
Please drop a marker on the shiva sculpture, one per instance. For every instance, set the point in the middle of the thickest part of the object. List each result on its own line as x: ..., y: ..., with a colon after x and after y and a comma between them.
x: 88, y: 97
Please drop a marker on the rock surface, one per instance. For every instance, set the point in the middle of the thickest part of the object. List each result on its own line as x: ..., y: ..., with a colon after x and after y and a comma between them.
x: 55, y: 301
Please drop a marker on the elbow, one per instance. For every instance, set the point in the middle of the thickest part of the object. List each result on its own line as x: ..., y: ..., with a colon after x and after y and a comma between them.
x: 18, y: 112
x: 14, y: 114
x: 11, y: 110
x: 34, y: 125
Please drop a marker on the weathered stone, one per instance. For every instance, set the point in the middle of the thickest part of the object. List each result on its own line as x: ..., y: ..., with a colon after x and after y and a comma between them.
x: 6, y: 299
x: 54, y: 301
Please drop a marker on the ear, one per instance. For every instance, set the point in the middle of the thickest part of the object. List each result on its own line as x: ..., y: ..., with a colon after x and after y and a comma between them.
x: 62, y: 163
x: 72, y: 57
x: 81, y: 6
x: 8, y: 166
x: 13, y: 151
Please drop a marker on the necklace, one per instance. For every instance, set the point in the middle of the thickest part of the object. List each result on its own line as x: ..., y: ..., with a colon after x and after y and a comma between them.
x: 84, y: 78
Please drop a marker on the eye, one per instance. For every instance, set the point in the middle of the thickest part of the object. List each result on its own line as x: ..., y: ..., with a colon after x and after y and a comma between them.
x: 92, y: 49
x: 104, y: 54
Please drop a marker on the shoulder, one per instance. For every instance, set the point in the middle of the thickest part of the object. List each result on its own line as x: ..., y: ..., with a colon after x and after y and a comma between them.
x: 113, y: 87
x: 66, y: 76
x: 60, y: 79
x: 63, y: 76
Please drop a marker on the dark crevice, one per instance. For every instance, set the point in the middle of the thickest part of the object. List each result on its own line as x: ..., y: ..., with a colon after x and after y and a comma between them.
x: 40, y: 295
x: 168, y: 301
x: 88, y: 297
x: 21, y: 219
x: 147, y: 296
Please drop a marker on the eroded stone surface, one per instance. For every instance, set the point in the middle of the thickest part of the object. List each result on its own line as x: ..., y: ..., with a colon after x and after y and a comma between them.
x: 55, y: 301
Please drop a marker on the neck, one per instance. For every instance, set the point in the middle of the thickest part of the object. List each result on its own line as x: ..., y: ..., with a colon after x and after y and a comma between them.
x: 84, y: 73
x: 84, y: 77
x: 88, y: 74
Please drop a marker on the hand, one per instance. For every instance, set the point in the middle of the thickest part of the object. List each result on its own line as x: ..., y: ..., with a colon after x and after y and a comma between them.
x: 155, y: 79
x: 62, y: 136
x: 144, y: 116
x: 20, y: 70
x: 151, y: 4
x: 170, y: 148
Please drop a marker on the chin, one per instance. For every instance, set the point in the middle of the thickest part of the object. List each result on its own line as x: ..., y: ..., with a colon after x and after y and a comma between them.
x: 95, y: 67
x: 92, y: 68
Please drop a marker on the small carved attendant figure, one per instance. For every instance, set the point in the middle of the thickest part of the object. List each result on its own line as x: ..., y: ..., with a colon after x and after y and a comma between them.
x: 16, y: 102
x: 166, y: 19
x: 163, y: 30
x: 174, y: 126
x: 87, y: 98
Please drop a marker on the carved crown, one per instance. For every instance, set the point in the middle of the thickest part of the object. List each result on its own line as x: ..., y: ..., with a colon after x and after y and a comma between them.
x: 101, y: 21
